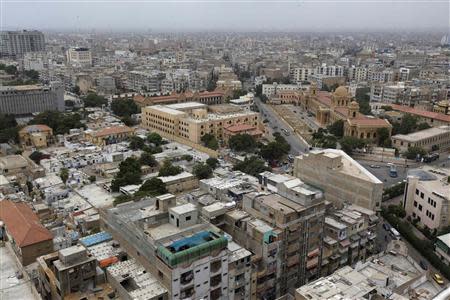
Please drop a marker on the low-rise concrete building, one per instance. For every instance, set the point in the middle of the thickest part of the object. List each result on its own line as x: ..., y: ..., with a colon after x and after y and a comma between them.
x: 67, y: 271
x: 36, y: 136
x: 431, y: 139
x: 109, y: 135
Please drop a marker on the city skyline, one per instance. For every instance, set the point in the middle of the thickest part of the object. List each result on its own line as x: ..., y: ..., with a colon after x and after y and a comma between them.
x: 226, y: 15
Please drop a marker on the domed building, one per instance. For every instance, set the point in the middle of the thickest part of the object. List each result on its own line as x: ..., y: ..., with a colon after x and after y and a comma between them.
x: 339, y: 105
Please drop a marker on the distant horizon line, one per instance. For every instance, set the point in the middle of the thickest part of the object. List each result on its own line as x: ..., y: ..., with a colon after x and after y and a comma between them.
x: 230, y: 30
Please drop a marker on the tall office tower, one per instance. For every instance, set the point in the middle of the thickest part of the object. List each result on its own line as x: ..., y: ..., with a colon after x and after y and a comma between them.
x: 17, y: 43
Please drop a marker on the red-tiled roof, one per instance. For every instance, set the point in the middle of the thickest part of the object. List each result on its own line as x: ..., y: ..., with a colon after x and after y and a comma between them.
x: 421, y: 113
x: 23, y: 224
x: 35, y: 128
x: 342, y: 111
x: 112, y: 130
x: 366, y: 121
x: 324, y: 98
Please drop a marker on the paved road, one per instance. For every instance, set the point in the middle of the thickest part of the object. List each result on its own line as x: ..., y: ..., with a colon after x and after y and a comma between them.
x: 276, y: 124
x: 383, y: 238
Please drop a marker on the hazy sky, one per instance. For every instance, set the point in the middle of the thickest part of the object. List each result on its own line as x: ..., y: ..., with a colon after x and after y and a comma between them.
x: 300, y: 15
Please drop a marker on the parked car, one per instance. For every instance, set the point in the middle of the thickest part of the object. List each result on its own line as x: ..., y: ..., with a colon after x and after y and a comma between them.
x: 423, y: 265
x: 438, y: 278
x: 386, y: 227
x: 430, y: 157
x: 375, y: 166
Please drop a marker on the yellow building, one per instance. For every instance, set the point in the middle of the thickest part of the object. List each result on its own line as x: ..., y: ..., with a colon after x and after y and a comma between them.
x: 192, y: 120
x: 109, y: 135
x: 37, y: 136
x: 331, y: 107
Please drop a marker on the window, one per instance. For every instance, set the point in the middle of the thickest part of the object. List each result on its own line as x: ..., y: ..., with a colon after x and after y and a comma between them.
x: 421, y: 195
x: 420, y: 207
x: 188, y: 218
x: 417, y: 192
x: 415, y: 203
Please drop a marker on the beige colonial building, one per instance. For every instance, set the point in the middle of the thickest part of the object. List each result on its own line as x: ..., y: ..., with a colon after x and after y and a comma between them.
x: 329, y: 108
x: 109, y: 135
x: 431, y: 139
x: 209, y: 98
x: 37, y: 136
x: 192, y: 120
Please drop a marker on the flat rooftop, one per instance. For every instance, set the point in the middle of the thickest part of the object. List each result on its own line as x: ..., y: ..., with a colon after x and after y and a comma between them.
x: 10, y: 286
x: 422, y: 134
x: 186, y: 105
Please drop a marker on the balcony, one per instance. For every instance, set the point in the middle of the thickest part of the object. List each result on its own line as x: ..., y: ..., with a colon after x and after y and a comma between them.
x: 216, y: 266
x: 215, y: 281
x: 187, y: 278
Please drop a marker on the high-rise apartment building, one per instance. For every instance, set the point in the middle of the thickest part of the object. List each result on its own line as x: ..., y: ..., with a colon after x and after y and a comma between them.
x: 27, y: 99
x: 17, y: 43
x: 79, y: 57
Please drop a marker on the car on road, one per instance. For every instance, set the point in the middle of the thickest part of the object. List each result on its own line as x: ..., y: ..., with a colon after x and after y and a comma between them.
x: 430, y: 157
x: 394, y: 233
x: 386, y: 227
x: 438, y: 278
x: 375, y: 166
x: 423, y: 265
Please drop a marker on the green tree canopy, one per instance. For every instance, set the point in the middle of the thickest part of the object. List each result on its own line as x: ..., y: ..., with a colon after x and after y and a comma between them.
x: 210, y: 141
x: 153, y: 187
x: 383, y: 137
x: 124, y: 108
x: 252, y: 166
x: 212, y: 162
x: 277, y: 149
x: 202, y: 171
x: 148, y: 159
x: 129, y: 173
x: 8, y: 128
x: 412, y: 152
x: 168, y: 169
x: 136, y: 143
x: 337, y: 128
x: 60, y: 122
x: 154, y: 138
x: 64, y: 174
x: 242, y: 142
x: 350, y: 143
x: 37, y: 156
x: 94, y: 100
x: 363, y: 99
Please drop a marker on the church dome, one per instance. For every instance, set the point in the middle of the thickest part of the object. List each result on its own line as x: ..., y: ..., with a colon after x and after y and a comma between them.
x: 341, y: 92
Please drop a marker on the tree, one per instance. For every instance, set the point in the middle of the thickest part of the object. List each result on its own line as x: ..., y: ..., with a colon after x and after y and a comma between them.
x: 350, y: 143
x: 337, y: 128
x: 36, y: 156
x: 242, y: 142
x: 11, y: 70
x: 252, y: 166
x: 124, y: 108
x: 8, y: 128
x: 168, y: 169
x: 277, y: 149
x: 94, y: 100
x: 383, y: 137
x: 64, y: 174
x: 60, y: 123
x: 153, y: 187
x: 32, y: 74
x: 210, y: 141
x: 202, y: 171
x: 154, y: 138
x: 76, y: 90
x: 136, y: 143
x: 415, y: 151
x: 239, y: 93
x: 258, y: 90
x: 187, y: 157
x: 147, y: 159
x: 363, y: 99
x: 92, y: 178
x: 212, y: 162
x: 387, y: 107
x: 129, y: 173
x: 423, y: 126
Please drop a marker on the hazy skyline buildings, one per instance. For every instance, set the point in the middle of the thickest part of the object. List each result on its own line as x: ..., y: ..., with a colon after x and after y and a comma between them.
x: 245, y: 15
